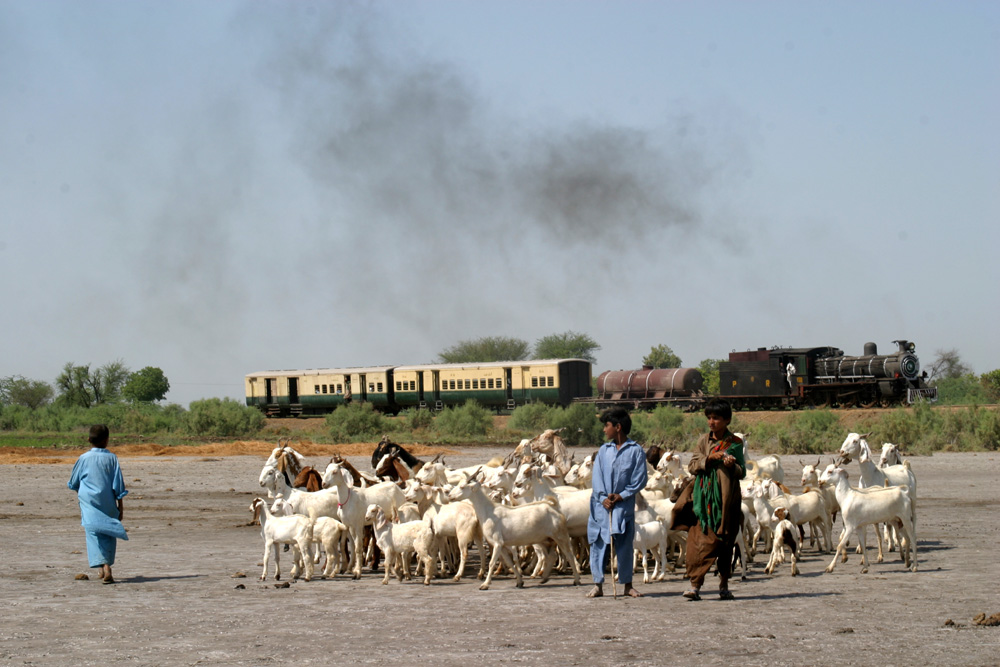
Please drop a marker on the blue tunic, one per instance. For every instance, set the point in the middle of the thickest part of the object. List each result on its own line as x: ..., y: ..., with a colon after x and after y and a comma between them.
x: 621, y: 471
x: 99, y: 484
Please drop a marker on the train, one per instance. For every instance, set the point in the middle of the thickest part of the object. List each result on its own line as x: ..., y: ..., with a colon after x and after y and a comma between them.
x: 778, y: 377
x: 495, y: 385
x: 760, y: 379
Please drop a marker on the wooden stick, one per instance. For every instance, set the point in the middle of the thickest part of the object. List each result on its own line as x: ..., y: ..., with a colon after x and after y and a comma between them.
x: 611, y: 556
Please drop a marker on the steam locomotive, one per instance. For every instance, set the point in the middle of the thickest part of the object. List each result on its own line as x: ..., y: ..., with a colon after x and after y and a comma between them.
x: 778, y: 378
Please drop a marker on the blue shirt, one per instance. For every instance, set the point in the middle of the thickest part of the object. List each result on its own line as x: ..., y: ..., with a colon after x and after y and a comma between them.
x: 99, y: 484
x: 621, y: 471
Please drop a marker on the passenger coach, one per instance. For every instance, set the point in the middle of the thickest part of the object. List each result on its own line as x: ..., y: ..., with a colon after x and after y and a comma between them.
x: 498, y: 385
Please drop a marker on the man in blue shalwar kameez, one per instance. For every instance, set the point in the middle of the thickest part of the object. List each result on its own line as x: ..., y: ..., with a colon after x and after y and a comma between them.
x: 619, y: 474
x: 100, y: 486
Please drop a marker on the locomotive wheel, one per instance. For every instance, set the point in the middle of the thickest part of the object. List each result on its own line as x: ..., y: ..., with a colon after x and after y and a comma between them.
x: 820, y: 400
x: 868, y: 400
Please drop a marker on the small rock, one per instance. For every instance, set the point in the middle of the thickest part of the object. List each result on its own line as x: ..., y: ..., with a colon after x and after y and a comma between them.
x: 82, y: 577
x: 283, y: 584
x: 844, y: 631
x: 240, y: 587
x: 19, y: 504
x: 240, y: 575
x: 136, y: 480
x: 168, y: 489
x: 76, y: 552
x: 949, y: 622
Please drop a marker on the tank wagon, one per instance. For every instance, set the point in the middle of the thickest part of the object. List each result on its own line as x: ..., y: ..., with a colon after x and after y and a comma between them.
x: 497, y: 385
x: 648, y: 387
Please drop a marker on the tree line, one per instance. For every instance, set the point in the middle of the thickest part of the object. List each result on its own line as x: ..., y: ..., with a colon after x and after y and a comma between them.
x: 86, y: 387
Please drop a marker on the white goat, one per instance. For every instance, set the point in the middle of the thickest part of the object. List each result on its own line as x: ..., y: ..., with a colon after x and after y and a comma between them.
x: 856, y: 446
x: 328, y: 532
x: 451, y: 521
x: 862, y: 507
x: 399, y: 540
x: 354, y: 503
x: 525, y: 525
x: 295, y: 530
x: 890, y: 456
x: 652, y: 537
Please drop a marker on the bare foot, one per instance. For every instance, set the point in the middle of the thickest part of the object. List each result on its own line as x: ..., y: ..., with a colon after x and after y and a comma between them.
x: 596, y: 592
x: 631, y: 592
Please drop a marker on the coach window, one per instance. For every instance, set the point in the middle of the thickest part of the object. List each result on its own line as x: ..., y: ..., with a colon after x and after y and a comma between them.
x: 371, y: 387
x: 552, y: 381
x: 475, y: 384
x: 380, y: 387
x: 534, y: 382
x: 316, y: 388
x: 499, y: 383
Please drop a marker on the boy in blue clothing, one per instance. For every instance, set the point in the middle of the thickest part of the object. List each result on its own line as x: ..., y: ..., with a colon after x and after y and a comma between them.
x: 619, y: 474
x: 100, y: 486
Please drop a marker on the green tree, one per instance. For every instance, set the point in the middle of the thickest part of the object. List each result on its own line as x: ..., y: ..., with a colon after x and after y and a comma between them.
x: 489, y: 348
x: 991, y: 383
x: 661, y: 356
x: 568, y: 345
x: 80, y: 386
x: 146, y: 386
x: 710, y: 373
x: 19, y: 390
x: 947, y: 365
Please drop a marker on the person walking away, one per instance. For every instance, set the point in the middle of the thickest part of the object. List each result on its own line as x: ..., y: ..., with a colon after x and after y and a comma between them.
x: 710, y: 508
x: 100, y: 487
x: 619, y: 474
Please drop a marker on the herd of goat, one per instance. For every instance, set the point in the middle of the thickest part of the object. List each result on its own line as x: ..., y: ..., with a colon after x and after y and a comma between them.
x: 528, y: 512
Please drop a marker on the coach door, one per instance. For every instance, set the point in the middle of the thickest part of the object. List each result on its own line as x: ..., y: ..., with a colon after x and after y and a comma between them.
x: 293, y: 390
x: 269, y: 390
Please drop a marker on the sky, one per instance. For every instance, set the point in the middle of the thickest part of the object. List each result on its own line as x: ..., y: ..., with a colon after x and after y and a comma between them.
x: 216, y: 189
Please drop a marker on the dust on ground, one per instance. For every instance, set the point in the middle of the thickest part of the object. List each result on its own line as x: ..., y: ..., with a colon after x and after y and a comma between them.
x: 177, y: 601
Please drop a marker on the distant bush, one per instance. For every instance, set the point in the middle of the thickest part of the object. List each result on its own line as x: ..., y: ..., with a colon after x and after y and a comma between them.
x: 531, y: 417
x: 418, y: 420
x: 467, y: 420
x: 807, y: 432
x: 356, y: 421
x: 579, y: 423
x: 222, y: 418
x: 668, y: 427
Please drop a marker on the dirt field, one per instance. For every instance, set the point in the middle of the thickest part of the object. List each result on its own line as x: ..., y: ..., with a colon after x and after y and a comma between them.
x: 177, y: 602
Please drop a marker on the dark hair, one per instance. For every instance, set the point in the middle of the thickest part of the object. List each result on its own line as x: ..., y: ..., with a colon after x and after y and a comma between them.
x: 719, y: 407
x: 617, y: 416
x: 99, y: 435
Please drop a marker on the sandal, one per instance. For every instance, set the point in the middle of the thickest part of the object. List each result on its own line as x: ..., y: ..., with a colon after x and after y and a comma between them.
x: 692, y: 595
x: 726, y: 595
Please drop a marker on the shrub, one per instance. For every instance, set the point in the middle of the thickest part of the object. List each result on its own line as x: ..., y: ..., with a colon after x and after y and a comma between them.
x: 532, y: 417
x: 222, y: 418
x: 467, y: 420
x: 579, y: 423
x: 418, y: 420
x: 356, y: 420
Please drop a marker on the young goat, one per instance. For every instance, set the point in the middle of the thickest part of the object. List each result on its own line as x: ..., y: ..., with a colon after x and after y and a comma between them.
x: 785, y: 534
x: 398, y: 540
x: 295, y: 530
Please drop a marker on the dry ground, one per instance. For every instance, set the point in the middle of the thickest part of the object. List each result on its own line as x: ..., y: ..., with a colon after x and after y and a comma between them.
x: 177, y: 602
